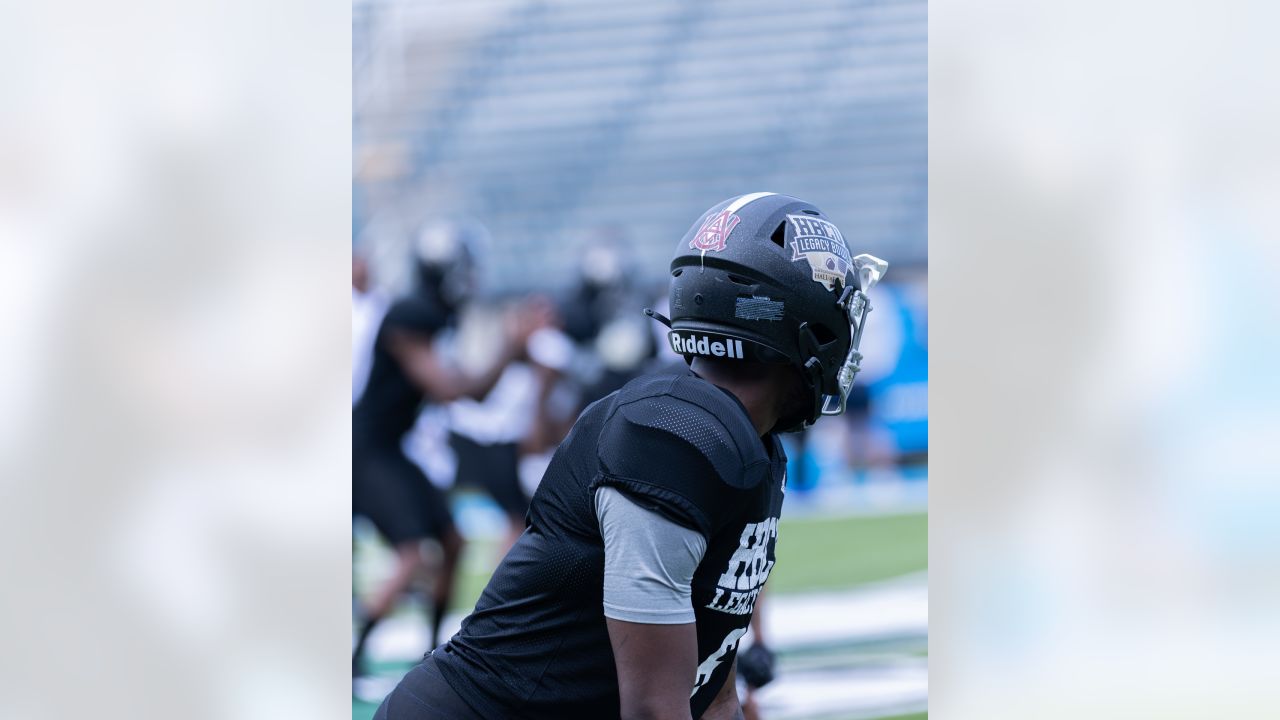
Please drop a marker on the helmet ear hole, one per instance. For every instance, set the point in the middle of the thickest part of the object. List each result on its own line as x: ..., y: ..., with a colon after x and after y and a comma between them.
x: 779, y: 236
x: 823, y: 334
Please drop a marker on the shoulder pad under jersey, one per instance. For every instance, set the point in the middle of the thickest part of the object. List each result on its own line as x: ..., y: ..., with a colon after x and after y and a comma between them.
x: 416, y: 314
x: 679, y: 416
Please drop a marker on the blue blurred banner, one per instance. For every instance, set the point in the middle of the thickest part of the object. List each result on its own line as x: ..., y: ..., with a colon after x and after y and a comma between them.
x: 899, y: 401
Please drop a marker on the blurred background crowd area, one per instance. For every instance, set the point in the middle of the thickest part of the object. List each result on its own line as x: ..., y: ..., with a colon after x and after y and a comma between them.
x: 573, y: 143
x: 586, y: 137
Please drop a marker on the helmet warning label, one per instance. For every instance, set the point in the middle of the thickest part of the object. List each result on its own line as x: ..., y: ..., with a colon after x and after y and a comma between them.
x: 820, y: 243
x: 759, y: 308
x: 709, y: 345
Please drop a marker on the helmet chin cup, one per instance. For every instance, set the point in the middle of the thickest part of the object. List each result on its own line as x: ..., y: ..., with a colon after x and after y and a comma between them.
x: 813, y: 375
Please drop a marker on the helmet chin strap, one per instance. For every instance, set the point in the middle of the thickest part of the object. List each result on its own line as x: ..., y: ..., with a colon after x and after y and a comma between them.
x: 813, y: 374
x: 658, y: 316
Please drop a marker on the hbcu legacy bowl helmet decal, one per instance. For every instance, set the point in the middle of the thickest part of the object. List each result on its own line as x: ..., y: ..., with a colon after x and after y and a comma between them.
x: 821, y: 244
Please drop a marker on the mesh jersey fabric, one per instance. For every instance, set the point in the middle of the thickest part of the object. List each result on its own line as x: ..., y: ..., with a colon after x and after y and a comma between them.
x: 536, y: 645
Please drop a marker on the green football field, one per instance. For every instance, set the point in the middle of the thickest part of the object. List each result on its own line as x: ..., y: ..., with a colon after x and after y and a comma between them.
x: 814, y: 553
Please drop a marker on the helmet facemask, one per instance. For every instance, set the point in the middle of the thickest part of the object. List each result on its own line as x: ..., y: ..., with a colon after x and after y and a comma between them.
x: 856, y: 305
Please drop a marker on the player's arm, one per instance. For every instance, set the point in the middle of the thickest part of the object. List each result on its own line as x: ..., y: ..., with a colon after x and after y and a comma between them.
x: 656, y: 665
x: 725, y: 706
x: 648, y: 571
x: 756, y: 664
x: 420, y: 361
x: 550, y: 354
x: 417, y: 356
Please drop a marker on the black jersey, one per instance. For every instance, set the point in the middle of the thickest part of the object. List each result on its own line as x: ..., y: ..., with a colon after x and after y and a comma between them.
x: 536, y: 645
x: 391, y: 401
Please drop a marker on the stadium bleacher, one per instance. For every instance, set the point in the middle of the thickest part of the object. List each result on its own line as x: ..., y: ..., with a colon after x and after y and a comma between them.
x: 548, y: 119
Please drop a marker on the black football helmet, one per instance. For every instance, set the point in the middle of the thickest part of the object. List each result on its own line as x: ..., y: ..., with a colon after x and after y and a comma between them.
x: 444, y: 260
x: 769, y: 278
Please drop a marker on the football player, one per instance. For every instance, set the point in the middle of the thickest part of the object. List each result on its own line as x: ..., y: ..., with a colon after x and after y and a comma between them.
x: 653, y: 530
x: 489, y: 438
x: 407, y: 370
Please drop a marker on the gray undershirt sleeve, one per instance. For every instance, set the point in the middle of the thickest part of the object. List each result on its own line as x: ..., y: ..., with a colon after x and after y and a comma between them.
x: 649, y: 562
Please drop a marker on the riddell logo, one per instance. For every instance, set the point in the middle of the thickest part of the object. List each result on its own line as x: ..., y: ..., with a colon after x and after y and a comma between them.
x: 704, y: 345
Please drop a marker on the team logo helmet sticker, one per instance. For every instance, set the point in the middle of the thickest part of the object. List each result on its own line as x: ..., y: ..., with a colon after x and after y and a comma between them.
x: 714, y: 232
x: 821, y: 244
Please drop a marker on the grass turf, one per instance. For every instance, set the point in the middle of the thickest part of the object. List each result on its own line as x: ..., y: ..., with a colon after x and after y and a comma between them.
x: 836, y: 553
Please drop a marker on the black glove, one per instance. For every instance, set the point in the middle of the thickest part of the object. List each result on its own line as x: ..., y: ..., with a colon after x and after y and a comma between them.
x: 755, y: 666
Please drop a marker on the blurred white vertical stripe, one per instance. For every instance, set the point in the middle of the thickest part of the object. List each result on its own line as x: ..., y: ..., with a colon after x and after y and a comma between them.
x: 174, y: 436
x: 1104, y: 397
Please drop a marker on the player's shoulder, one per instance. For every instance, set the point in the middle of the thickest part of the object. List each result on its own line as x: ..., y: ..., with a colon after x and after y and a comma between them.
x: 416, y: 313
x: 672, y: 415
x: 655, y: 391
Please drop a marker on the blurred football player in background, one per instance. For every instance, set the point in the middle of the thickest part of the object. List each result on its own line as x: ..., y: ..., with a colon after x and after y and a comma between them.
x: 409, y: 369
x: 490, y: 436
x: 367, y: 308
x: 653, y: 531
x: 602, y: 315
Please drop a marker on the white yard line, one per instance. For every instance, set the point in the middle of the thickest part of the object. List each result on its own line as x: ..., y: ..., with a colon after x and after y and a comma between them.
x: 900, y: 688
x: 876, y: 611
